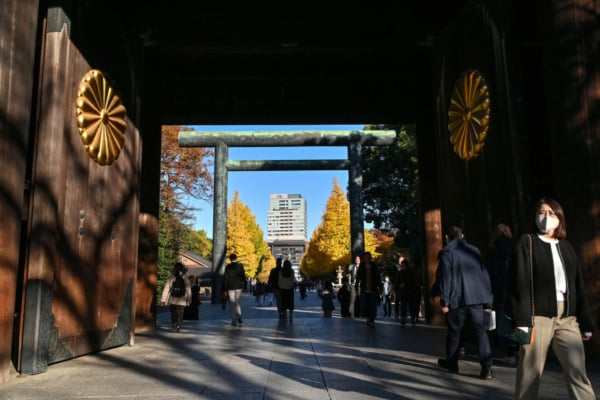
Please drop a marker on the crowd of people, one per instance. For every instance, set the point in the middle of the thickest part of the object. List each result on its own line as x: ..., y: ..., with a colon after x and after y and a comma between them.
x: 536, y: 280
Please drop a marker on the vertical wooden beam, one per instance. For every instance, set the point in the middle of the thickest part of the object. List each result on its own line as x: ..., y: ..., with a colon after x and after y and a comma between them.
x: 47, y: 204
x: 147, y: 273
x: 18, y: 27
x: 572, y: 72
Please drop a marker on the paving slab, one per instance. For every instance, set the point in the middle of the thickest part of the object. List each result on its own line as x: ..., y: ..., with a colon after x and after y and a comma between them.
x: 309, y: 358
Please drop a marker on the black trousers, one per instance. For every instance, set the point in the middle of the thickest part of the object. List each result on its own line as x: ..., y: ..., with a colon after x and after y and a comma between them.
x: 455, y: 320
x: 368, y: 305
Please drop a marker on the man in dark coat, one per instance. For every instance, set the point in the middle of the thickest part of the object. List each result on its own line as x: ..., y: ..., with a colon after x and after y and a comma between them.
x: 274, y: 281
x: 234, y: 280
x: 464, y: 288
x: 368, y: 281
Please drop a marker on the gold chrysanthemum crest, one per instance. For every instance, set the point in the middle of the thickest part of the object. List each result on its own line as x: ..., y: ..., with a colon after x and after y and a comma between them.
x: 469, y: 114
x: 100, y: 118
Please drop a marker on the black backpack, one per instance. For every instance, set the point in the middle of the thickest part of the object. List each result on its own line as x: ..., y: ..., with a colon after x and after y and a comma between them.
x: 178, y: 287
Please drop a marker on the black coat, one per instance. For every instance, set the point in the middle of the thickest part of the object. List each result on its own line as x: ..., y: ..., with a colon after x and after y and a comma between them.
x: 498, y: 258
x: 405, y: 284
x: 274, y: 277
x: 235, y: 276
x: 544, y: 285
x: 361, y: 278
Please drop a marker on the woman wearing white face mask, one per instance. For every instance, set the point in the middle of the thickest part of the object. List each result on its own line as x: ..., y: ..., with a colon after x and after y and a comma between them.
x: 561, y: 314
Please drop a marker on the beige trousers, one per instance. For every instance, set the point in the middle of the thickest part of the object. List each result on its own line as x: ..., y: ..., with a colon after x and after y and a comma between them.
x: 564, y: 336
x: 234, y: 304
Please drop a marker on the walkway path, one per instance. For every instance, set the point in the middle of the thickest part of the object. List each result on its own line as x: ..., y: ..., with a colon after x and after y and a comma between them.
x: 310, y: 358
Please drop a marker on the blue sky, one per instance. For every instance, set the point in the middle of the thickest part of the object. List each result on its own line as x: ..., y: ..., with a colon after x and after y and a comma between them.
x: 255, y: 187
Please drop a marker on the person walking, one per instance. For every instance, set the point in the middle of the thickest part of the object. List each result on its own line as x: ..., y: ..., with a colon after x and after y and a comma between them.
x: 327, y: 297
x: 302, y: 287
x: 177, y: 293
x: 369, y: 283
x: 386, y: 296
x: 397, y: 284
x: 354, y: 305
x: 407, y: 293
x: 268, y: 294
x: 547, y: 263
x: 343, y: 296
x: 464, y: 288
x: 260, y: 293
x: 274, y: 281
x: 286, y: 283
x: 191, y: 311
x: 234, y: 280
x: 497, y: 262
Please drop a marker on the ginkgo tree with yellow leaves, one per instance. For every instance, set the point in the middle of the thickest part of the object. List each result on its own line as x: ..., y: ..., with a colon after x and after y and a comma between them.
x: 330, y: 244
x: 245, y: 238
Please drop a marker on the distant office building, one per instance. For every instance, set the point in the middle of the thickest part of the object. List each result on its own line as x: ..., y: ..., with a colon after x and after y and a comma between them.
x: 287, y: 228
x: 286, y: 218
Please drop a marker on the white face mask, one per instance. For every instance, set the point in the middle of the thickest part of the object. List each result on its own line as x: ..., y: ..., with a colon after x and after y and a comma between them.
x: 546, y: 224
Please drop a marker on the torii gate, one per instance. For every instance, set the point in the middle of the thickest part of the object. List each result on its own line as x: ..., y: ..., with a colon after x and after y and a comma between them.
x: 221, y: 141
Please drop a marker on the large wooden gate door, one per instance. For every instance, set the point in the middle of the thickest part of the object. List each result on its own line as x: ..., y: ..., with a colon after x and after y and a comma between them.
x: 478, y: 170
x: 82, y: 232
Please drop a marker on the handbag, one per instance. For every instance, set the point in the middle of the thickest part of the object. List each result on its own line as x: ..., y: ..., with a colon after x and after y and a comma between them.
x: 489, y: 319
x: 505, y: 324
x: 507, y: 330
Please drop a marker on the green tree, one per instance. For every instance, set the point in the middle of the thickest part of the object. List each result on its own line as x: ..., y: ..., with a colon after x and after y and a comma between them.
x: 167, y: 246
x: 390, y: 185
x: 199, y: 243
x: 173, y: 235
x: 185, y: 172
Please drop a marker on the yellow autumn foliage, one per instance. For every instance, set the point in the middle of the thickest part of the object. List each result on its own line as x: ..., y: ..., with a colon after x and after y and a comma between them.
x: 245, y: 238
x: 330, y: 243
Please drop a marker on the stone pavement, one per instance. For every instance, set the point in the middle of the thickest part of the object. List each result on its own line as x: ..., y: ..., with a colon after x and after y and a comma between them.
x: 310, y: 358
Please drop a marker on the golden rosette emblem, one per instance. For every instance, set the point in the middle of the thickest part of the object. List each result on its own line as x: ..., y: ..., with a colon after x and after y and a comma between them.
x: 469, y: 114
x: 100, y: 118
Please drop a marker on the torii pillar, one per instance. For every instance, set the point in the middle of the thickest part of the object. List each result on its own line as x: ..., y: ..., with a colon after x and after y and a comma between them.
x: 354, y: 140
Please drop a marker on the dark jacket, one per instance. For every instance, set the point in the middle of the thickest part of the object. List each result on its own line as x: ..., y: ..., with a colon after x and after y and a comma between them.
x: 405, y: 284
x: 274, y: 277
x: 498, y: 259
x: 235, y: 276
x: 544, y: 286
x: 361, y: 278
x: 463, y: 279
